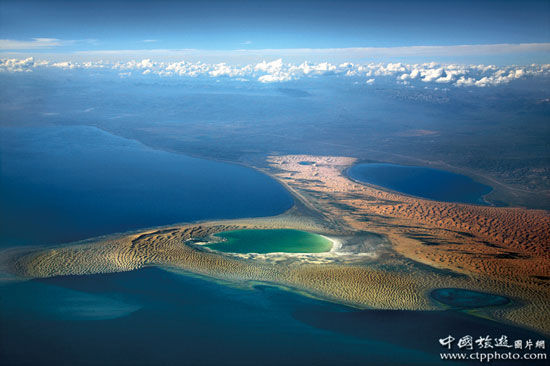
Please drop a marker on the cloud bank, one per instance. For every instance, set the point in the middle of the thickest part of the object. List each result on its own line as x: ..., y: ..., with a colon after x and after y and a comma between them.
x: 428, y: 51
x: 35, y: 43
x: 456, y: 75
x: 474, y: 53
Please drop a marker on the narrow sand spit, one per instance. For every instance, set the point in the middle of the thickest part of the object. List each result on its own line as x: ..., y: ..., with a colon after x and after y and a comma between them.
x: 433, y: 244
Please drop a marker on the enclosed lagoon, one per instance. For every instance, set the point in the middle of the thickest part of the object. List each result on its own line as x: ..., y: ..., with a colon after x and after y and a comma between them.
x: 435, y: 184
x: 462, y: 298
x: 270, y: 241
x: 152, y: 316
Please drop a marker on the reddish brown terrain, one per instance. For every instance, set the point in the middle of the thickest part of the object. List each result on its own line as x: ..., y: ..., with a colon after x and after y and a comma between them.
x: 427, y: 245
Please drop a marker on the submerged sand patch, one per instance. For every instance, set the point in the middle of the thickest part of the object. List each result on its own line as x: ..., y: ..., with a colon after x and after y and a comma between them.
x: 393, y: 268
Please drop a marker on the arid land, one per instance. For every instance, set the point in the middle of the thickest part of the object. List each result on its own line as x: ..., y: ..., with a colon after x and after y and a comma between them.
x: 394, y: 249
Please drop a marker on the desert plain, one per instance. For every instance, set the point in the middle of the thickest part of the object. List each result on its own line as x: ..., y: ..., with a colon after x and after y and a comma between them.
x: 390, y: 250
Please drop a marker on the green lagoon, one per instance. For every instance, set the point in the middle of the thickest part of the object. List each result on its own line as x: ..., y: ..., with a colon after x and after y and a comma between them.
x: 271, y: 241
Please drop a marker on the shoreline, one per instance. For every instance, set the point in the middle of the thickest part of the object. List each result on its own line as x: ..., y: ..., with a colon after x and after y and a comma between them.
x: 375, y: 274
x: 336, y: 244
x: 483, y: 197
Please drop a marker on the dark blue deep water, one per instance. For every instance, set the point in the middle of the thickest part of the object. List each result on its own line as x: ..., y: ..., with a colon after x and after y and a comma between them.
x: 60, y: 184
x: 462, y: 298
x: 154, y: 317
x: 423, y: 182
x: 66, y: 183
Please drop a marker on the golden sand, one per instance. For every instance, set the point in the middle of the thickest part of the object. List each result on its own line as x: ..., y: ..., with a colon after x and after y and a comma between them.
x: 498, y: 250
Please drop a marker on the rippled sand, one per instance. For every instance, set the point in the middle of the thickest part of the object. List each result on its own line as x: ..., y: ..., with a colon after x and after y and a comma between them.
x: 431, y: 245
x: 503, y: 249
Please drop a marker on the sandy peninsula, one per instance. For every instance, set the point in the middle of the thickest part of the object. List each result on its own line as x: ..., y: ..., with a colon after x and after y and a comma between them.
x: 392, y: 250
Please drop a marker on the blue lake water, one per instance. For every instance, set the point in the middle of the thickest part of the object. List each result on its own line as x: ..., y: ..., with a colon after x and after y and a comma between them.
x: 154, y: 317
x: 423, y: 182
x: 462, y: 298
x: 66, y: 183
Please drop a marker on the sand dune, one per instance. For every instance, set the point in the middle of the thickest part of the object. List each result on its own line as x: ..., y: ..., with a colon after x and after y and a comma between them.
x: 498, y: 250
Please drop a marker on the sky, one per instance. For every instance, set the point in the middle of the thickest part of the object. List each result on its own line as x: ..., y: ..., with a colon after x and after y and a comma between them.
x: 495, y: 31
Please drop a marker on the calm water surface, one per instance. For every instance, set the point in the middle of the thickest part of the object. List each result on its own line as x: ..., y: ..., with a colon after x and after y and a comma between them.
x: 462, y: 298
x: 423, y: 182
x: 66, y: 183
x: 152, y: 316
x: 270, y: 241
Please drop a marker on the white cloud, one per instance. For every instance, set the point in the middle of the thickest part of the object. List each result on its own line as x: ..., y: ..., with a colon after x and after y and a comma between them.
x: 275, y: 71
x: 340, y: 54
x: 223, y: 69
x: 17, y: 65
x: 274, y: 78
x: 35, y: 43
x: 429, y: 75
x: 463, y: 81
x: 64, y: 65
x: 279, y: 71
x: 270, y: 67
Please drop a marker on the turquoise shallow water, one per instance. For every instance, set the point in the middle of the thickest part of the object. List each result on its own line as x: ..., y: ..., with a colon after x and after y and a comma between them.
x: 423, y: 182
x: 154, y: 317
x: 270, y: 241
x: 67, y: 183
